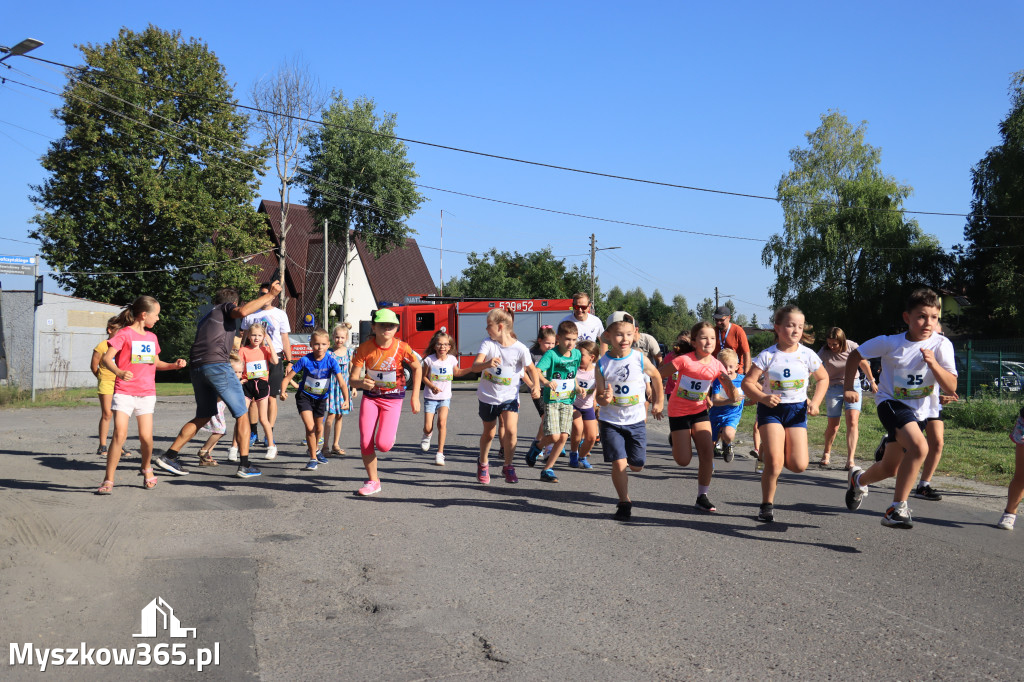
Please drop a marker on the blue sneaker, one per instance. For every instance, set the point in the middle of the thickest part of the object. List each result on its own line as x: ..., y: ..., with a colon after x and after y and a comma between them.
x: 320, y: 457
x: 266, y: 442
x: 584, y: 464
x: 252, y: 439
x: 574, y: 460
x: 248, y: 472
x: 312, y: 464
x: 171, y: 466
x: 549, y: 476
x: 531, y: 454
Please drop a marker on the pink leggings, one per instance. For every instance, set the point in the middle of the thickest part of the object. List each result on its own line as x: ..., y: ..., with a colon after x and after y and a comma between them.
x: 380, y: 415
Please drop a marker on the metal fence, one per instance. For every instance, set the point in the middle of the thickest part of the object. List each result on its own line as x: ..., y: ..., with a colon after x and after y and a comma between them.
x: 991, y: 367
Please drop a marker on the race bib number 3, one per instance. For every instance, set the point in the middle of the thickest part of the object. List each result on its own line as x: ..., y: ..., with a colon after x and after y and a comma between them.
x: 387, y: 381
x: 143, y: 353
x: 256, y: 370
x: 692, y: 389
x: 317, y: 386
x: 502, y: 376
x: 627, y: 395
x: 912, y: 386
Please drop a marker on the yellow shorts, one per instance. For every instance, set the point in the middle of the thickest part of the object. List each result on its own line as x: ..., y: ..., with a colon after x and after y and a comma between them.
x: 105, y: 387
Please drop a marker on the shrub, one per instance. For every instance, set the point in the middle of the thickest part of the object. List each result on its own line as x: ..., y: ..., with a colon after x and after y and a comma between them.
x: 982, y: 413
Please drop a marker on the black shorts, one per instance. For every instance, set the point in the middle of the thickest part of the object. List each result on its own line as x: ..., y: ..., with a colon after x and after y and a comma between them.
x: 276, y: 376
x: 256, y: 389
x: 307, y: 403
x: 685, y: 423
x: 894, y: 415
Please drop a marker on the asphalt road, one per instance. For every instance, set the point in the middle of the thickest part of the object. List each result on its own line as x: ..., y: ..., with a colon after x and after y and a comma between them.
x: 291, y: 577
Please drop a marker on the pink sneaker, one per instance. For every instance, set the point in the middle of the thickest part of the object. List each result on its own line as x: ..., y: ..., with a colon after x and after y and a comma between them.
x: 509, y: 473
x: 483, y: 473
x: 369, y: 488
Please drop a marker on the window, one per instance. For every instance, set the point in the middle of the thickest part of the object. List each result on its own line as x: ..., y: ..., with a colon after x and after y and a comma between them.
x: 424, y: 322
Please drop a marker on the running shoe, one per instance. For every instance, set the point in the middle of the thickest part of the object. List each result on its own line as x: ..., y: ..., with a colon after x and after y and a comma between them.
x: 855, y: 494
x: 704, y: 503
x: 253, y: 438
x: 266, y: 442
x: 880, y: 450
x: 574, y: 460
x: 766, y: 514
x: 728, y: 453
x: 171, y: 466
x: 509, y: 473
x: 531, y: 454
x: 623, y: 511
x: 312, y: 464
x: 271, y: 452
x: 718, y: 450
x: 232, y: 454
x: 101, y: 450
x: 758, y: 462
x: 320, y: 457
x: 548, y: 475
x: 425, y: 443
x: 897, y: 516
x: 439, y: 459
x: 248, y: 472
x: 369, y: 488
x: 1006, y: 523
x: 483, y: 473
x: 926, y: 492
x: 584, y: 464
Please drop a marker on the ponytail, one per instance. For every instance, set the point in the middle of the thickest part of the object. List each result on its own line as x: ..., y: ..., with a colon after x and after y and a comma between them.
x: 127, y: 317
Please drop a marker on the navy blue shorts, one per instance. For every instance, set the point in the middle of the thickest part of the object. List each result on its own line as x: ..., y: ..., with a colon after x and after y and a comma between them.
x: 587, y: 413
x: 489, y: 413
x: 627, y: 442
x: 894, y: 415
x: 790, y: 415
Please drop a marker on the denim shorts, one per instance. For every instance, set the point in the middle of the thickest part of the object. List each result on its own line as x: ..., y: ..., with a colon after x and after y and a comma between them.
x: 489, y: 413
x: 624, y: 441
x: 217, y: 379
x: 431, y: 406
x: 790, y: 415
x: 834, y: 402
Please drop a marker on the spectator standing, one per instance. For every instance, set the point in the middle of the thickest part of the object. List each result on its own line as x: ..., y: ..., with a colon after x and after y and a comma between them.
x: 731, y: 336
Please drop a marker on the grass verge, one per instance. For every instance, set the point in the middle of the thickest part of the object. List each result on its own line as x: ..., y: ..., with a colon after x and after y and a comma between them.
x: 11, y: 397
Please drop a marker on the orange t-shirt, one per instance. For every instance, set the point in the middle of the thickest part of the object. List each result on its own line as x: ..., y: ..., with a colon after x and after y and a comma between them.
x: 384, y: 366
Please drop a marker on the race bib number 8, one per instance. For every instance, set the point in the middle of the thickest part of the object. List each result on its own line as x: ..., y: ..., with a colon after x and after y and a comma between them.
x: 502, y: 376
x: 256, y: 370
x: 783, y: 380
x: 317, y: 386
x: 627, y: 394
x: 143, y: 353
x: 912, y: 386
x: 692, y: 389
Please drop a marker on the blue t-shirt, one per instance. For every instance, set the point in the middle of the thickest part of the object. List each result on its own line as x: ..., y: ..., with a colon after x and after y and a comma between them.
x: 727, y: 410
x: 316, y: 374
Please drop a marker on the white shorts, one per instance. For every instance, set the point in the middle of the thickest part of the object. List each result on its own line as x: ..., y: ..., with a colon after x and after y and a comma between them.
x: 134, y: 405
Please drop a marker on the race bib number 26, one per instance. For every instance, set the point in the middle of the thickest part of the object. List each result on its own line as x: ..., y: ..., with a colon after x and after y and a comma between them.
x: 143, y: 353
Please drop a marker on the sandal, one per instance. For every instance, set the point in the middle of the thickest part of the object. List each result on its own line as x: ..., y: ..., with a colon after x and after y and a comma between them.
x: 206, y: 459
x: 338, y: 451
x: 848, y: 467
x: 149, y: 480
x: 824, y: 462
x: 106, y: 488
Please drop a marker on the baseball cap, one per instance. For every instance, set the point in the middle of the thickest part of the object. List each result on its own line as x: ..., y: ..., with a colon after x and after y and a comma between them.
x: 385, y: 316
x: 722, y: 311
x: 619, y: 316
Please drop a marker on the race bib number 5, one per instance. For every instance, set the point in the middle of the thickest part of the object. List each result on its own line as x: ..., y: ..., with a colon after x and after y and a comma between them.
x: 143, y: 353
x: 502, y: 376
x: 563, y: 391
x: 692, y: 389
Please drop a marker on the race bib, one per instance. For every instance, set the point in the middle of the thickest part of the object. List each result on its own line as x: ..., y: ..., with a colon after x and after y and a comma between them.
x: 143, y: 353
x: 440, y: 374
x: 256, y: 370
x: 628, y: 393
x: 563, y: 390
x: 502, y: 376
x: 317, y: 386
x: 689, y: 388
x: 912, y: 386
x: 387, y: 381
x: 584, y: 385
x: 786, y: 379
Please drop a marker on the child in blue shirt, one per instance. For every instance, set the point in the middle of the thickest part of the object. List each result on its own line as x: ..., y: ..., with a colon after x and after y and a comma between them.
x: 725, y: 415
x: 316, y: 370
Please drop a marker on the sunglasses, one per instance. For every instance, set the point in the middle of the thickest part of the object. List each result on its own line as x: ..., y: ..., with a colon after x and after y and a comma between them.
x: 581, y: 307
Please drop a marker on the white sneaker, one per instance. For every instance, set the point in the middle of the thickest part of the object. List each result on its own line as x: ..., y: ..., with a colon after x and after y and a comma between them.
x: 1006, y: 523
x: 439, y: 459
x: 271, y: 452
x: 425, y: 443
x: 233, y: 454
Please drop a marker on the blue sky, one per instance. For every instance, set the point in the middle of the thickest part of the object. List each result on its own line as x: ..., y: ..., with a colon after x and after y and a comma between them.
x: 708, y: 96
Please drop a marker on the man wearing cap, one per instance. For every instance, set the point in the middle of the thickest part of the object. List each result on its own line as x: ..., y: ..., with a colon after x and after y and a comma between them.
x: 588, y: 326
x: 731, y: 336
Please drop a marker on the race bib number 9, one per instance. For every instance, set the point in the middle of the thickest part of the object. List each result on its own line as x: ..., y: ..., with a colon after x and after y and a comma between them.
x: 912, y: 386
x: 143, y: 353
x: 627, y: 394
x: 387, y: 381
x: 692, y: 389
x: 256, y: 370
x: 502, y: 376
x: 563, y: 391
x: 317, y: 386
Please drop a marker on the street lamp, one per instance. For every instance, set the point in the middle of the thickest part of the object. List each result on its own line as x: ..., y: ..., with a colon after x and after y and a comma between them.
x: 27, y: 45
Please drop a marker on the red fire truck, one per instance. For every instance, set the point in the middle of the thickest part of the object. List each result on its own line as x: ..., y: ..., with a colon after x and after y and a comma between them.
x: 465, y: 320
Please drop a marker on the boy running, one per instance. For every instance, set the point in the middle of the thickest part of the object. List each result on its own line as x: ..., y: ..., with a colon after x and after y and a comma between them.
x: 558, y: 367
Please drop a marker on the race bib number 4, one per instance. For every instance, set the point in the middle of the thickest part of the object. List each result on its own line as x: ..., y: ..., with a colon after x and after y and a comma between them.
x: 387, y: 381
x: 317, y: 386
x: 563, y: 391
x: 143, y: 353
x: 256, y: 370
x: 627, y: 394
x: 692, y: 389
x: 502, y: 376
x: 912, y: 386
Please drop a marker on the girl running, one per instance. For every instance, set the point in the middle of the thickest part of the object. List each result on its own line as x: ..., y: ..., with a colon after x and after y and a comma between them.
x: 133, y: 358
x: 546, y: 338
x: 439, y: 369
x: 778, y: 383
x: 695, y: 369
x: 338, y: 403
x: 104, y: 387
x: 501, y: 361
x: 257, y: 355
x: 584, y: 419
x: 377, y: 369
x: 1015, y: 493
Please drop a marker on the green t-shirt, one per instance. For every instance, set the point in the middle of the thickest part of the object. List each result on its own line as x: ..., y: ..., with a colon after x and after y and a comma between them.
x: 555, y: 366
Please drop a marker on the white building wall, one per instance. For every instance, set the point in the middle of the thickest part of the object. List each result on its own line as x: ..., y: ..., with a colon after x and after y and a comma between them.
x: 360, y: 297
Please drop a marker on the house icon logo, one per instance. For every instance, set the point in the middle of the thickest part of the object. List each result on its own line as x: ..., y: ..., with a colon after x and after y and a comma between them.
x: 158, y: 616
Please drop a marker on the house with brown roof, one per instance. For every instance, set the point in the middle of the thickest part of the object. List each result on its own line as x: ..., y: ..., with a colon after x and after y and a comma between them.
x: 371, y: 281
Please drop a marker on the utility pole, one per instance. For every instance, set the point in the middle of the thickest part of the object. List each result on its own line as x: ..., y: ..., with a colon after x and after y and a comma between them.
x: 440, y: 268
x: 716, y: 297
x: 593, y: 258
x: 327, y: 294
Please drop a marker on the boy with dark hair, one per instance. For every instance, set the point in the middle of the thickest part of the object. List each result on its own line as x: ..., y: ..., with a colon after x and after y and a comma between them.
x: 558, y: 369
x: 915, y: 365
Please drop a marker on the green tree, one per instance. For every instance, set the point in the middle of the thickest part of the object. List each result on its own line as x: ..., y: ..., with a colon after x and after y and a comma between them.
x: 152, y: 180
x: 706, y: 309
x: 503, y: 274
x: 847, y: 256
x: 993, y: 264
x: 662, y: 321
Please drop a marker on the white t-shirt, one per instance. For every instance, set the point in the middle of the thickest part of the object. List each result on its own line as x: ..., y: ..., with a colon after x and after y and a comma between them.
x: 786, y: 374
x: 627, y: 380
x: 276, y: 321
x: 589, y: 330
x: 905, y: 376
x: 441, y: 373
x: 501, y: 384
